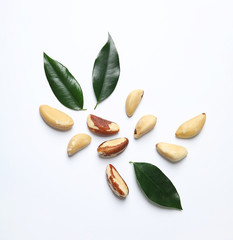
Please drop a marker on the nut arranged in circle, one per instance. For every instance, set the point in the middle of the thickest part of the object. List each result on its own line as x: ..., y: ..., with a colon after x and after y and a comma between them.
x: 102, y: 126
x: 116, y: 182
x: 172, y: 152
x: 111, y: 148
x: 77, y: 143
x: 144, y: 125
x: 55, y: 118
x: 191, y: 127
x: 153, y: 182
x: 132, y: 101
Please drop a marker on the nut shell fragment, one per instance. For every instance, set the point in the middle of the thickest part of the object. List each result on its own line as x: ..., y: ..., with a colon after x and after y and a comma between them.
x: 172, y: 152
x: 191, y: 127
x: 113, y: 147
x: 116, y: 182
x: 101, y: 126
x: 144, y: 125
x: 55, y: 118
x: 132, y: 101
x: 77, y: 143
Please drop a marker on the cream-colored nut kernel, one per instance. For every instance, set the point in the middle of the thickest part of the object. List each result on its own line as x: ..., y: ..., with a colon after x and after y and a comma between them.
x: 77, y: 143
x: 55, y: 118
x: 116, y: 182
x: 111, y: 148
x: 172, y: 152
x: 132, y: 101
x: 191, y: 127
x: 144, y: 125
x: 102, y: 126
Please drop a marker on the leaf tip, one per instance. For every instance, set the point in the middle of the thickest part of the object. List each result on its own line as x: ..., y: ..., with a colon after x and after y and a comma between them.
x: 178, y: 204
x: 180, y: 207
x: 46, y: 57
x: 110, y: 38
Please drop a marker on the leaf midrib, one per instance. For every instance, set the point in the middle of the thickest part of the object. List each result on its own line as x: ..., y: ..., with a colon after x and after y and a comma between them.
x: 150, y: 180
x: 105, y: 71
x: 60, y: 77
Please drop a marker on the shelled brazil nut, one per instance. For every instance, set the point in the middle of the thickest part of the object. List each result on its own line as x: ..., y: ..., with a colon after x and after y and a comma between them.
x: 132, y: 101
x: 56, y: 118
x: 77, y: 143
x: 191, y: 127
x: 172, y: 152
x: 144, y: 125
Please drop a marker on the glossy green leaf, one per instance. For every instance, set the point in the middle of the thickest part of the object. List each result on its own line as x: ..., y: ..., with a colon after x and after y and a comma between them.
x: 106, y: 71
x: 156, y: 185
x: 64, y: 86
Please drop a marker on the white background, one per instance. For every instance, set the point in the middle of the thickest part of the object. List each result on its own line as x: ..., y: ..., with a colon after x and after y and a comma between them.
x: 181, y: 54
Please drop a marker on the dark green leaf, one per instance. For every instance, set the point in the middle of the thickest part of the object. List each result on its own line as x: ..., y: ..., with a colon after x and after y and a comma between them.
x: 106, y: 71
x: 63, y: 84
x: 156, y: 185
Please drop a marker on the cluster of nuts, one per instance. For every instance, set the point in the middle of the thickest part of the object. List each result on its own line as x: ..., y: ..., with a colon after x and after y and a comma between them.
x: 111, y: 148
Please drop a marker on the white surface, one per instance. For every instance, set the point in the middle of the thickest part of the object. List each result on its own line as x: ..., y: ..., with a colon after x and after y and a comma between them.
x: 181, y: 54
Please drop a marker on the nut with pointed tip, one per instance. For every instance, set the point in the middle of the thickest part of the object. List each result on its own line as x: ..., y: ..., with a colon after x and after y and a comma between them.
x: 55, y: 118
x: 111, y: 148
x: 144, y: 125
x: 191, y: 127
x: 132, y: 101
x: 101, y: 126
x: 172, y: 152
x: 116, y: 182
x: 77, y: 143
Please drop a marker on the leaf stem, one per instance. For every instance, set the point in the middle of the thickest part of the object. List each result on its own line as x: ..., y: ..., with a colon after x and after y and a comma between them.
x: 131, y: 162
x: 84, y: 109
x: 96, y: 105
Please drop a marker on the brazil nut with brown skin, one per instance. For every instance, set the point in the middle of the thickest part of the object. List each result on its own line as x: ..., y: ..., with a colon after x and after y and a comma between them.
x: 102, y: 126
x: 116, y: 182
x: 113, y: 147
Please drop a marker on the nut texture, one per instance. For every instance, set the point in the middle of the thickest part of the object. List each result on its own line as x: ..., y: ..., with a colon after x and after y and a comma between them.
x: 101, y: 126
x: 144, y: 125
x: 172, y: 152
x: 77, y: 143
x: 191, y: 127
x: 55, y: 118
x: 111, y: 148
x: 116, y: 182
x: 132, y: 101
